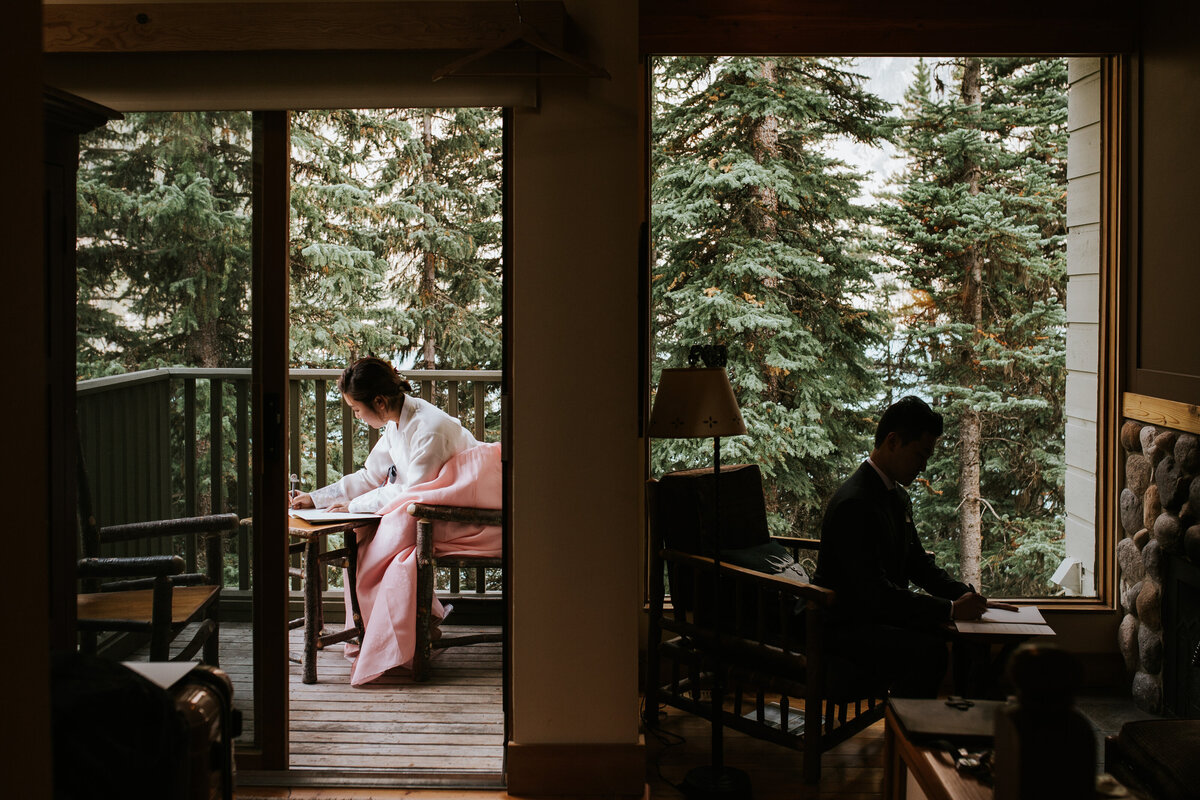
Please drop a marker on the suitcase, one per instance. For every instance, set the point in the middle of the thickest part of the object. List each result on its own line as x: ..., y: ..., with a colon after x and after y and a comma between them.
x: 117, y: 734
x: 204, y: 698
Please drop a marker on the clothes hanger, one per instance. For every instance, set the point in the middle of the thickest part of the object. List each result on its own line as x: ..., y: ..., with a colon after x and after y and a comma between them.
x: 526, y: 34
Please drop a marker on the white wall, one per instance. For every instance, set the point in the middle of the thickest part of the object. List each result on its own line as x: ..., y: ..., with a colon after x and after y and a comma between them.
x: 1083, y: 311
x: 577, y: 464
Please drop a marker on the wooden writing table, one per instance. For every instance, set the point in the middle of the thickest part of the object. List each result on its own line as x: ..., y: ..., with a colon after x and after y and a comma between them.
x: 977, y: 671
x: 309, y: 539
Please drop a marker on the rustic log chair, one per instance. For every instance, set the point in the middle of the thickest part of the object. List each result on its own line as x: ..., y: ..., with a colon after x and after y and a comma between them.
x: 773, y: 628
x: 154, y: 595
x: 427, y: 566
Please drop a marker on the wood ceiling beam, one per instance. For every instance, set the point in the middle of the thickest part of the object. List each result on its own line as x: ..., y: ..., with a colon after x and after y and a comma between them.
x: 228, y: 26
x: 886, y: 27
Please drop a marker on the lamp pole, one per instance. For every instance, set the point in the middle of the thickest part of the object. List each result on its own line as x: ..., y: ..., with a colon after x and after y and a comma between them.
x: 694, y: 403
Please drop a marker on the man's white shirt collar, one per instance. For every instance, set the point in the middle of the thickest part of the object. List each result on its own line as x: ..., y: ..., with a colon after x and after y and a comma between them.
x: 888, y: 483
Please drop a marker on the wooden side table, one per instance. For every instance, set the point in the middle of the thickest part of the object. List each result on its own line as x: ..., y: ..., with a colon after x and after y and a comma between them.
x: 932, y: 771
x: 309, y: 540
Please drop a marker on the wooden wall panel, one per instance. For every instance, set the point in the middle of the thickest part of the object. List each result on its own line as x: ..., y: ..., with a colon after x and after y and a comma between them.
x: 232, y: 26
x: 1163, y: 359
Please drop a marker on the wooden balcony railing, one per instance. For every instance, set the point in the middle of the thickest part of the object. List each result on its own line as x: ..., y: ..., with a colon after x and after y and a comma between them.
x: 154, y: 448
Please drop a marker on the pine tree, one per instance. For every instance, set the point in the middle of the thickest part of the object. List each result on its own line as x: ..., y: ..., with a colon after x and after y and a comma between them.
x: 396, y: 237
x: 758, y: 246
x: 164, y: 253
x: 341, y: 241
x: 978, y: 231
x: 450, y: 287
x: 165, y: 242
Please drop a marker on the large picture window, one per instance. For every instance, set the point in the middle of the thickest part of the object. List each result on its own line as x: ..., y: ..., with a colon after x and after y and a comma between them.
x: 858, y: 229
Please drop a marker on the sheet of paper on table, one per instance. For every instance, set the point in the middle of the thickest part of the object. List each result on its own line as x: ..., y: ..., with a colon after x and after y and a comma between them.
x: 317, y: 515
x: 1025, y: 621
x: 1024, y: 614
x: 1005, y: 628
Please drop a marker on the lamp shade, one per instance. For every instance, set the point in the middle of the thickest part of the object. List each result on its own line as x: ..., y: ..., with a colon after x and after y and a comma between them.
x: 693, y: 403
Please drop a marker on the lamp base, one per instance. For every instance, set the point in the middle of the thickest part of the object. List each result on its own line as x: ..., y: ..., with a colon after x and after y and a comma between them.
x: 716, y: 783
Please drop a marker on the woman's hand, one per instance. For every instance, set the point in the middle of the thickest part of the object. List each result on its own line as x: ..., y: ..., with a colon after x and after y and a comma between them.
x: 300, y: 500
x: 338, y: 508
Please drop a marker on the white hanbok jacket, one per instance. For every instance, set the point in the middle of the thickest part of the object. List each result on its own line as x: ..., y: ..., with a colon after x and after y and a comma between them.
x: 417, y: 447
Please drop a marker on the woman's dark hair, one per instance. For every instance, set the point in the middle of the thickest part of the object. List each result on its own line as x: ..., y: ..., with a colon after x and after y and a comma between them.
x: 911, y: 417
x: 368, y: 378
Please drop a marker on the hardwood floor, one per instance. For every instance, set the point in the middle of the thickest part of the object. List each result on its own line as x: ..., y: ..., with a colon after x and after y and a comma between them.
x: 851, y: 771
x: 453, y: 725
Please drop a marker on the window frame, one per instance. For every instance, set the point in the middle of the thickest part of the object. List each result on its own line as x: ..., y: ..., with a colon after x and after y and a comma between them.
x: 1079, y: 29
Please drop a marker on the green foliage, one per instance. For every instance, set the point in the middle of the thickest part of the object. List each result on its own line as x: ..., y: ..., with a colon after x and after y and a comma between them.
x: 395, y: 248
x: 396, y: 237
x: 164, y: 243
x: 986, y: 184
x: 759, y: 246
x: 395, y: 251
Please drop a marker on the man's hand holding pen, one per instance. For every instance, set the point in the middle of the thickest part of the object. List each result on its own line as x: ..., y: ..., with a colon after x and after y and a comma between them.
x: 972, y: 605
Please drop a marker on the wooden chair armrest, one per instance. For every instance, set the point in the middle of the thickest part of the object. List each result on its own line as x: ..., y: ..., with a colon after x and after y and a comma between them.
x: 130, y: 566
x: 212, y: 525
x: 482, y: 516
x: 808, y: 592
x: 797, y: 542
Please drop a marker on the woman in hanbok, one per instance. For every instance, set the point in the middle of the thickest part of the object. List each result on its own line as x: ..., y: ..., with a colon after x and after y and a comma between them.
x: 423, y: 455
x: 416, y: 439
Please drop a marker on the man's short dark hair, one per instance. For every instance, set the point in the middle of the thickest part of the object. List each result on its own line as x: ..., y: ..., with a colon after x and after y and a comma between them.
x: 911, y: 417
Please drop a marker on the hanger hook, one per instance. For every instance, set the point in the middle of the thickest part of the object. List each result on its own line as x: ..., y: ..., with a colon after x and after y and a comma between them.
x: 517, y: 5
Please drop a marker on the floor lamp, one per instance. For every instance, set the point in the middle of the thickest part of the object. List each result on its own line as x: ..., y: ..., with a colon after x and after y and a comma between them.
x: 694, y: 403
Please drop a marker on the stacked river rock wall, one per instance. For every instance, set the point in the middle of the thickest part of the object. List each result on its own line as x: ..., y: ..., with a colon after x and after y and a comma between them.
x: 1160, y: 513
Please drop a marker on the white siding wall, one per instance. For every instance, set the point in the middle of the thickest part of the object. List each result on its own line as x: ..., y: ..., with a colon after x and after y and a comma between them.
x: 1083, y: 311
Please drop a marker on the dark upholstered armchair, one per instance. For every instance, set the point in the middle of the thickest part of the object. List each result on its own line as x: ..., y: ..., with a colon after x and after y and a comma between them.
x: 779, y: 682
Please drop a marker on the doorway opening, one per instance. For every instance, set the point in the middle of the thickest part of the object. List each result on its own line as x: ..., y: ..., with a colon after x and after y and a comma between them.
x: 396, y: 250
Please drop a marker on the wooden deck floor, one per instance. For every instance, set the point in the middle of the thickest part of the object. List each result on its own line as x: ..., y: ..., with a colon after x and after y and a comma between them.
x: 453, y: 724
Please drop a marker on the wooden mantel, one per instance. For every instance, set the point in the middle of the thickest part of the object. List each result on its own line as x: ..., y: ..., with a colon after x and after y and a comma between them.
x: 229, y: 26
x: 1165, y: 413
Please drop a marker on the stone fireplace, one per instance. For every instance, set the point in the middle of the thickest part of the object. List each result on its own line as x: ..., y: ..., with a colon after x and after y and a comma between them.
x: 1159, y: 560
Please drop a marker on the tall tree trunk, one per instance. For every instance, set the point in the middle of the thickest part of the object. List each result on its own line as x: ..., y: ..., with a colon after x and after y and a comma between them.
x: 429, y: 274
x: 971, y: 536
x: 766, y: 147
x: 202, y: 349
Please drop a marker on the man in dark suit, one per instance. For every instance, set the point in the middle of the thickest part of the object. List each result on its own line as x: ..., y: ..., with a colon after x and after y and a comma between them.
x: 870, y: 553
